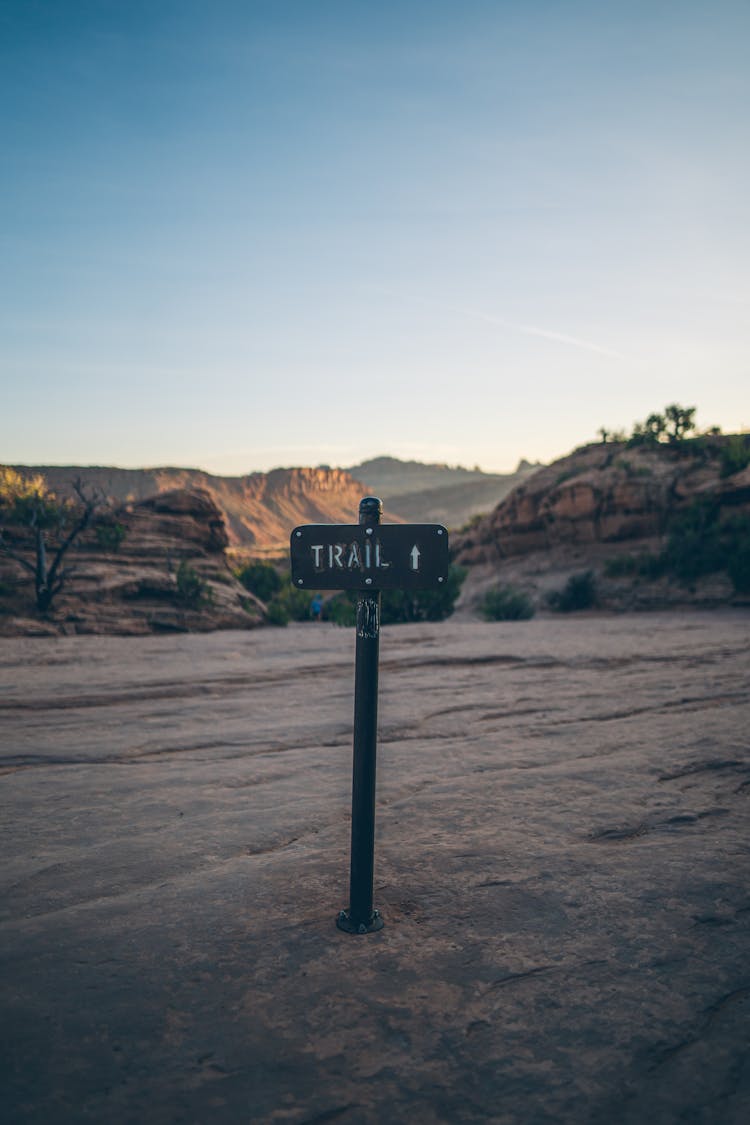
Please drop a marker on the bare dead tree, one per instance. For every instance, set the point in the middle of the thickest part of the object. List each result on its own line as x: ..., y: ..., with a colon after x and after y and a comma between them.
x: 41, y: 513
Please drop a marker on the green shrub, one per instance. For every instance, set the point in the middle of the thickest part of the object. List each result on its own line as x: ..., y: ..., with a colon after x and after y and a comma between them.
x: 700, y: 542
x: 398, y: 607
x: 401, y: 606
x: 109, y: 536
x: 341, y: 609
x: 578, y: 593
x: 506, y: 604
x: 296, y: 602
x: 192, y: 590
x: 673, y: 426
x: 694, y: 545
x: 278, y: 614
x: 739, y: 565
x: 649, y: 432
x: 260, y: 579
x: 735, y: 455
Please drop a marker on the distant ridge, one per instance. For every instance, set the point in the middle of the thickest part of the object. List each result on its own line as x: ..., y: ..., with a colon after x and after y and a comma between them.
x: 260, y: 509
x: 437, y: 493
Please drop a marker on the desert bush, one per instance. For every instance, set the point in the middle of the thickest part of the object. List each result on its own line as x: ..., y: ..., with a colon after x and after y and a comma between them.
x: 260, y: 579
x: 109, y: 536
x: 735, y: 455
x: 192, y: 590
x: 296, y: 602
x: 694, y: 545
x: 673, y: 426
x: 277, y: 612
x: 680, y: 421
x: 504, y: 603
x: 398, y: 607
x: 28, y: 502
x: 401, y: 606
x: 739, y: 564
x: 649, y: 432
x: 701, y: 542
x: 341, y: 609
x: 578, y: 593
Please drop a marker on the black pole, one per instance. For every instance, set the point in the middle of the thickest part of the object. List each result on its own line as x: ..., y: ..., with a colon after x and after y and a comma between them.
x: 360, y: 917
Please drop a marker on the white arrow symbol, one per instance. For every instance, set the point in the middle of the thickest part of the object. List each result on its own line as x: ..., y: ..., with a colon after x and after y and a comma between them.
x: 415, y: 557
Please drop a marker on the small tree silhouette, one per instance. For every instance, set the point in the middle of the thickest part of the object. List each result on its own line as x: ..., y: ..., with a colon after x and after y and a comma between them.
x: 27, y: 502
x: 680, y: 421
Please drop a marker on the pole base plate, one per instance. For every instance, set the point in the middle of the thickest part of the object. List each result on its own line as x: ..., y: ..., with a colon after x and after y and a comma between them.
x: 345, y: 923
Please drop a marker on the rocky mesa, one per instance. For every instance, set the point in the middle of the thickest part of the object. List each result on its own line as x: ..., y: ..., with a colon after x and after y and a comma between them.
x: 613, y: 501
x: 158, y: 565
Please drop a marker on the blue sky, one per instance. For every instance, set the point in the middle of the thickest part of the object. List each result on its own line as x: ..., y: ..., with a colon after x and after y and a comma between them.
x: 238, y: 235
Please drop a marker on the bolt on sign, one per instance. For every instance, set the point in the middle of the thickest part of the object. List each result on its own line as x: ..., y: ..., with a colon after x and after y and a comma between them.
x: 367, y: 557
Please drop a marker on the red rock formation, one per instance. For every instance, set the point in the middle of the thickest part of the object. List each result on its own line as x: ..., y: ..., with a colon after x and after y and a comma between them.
x: 600, y: 494
x: 134, y: 589
x: 259, y: 510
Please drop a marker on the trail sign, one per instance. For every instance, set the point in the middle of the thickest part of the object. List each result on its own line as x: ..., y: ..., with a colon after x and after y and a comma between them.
x: 328, y: 556
x: 367, y: 557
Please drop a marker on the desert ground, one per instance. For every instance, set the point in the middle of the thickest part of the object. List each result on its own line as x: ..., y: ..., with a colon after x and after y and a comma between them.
x: 561, y: 861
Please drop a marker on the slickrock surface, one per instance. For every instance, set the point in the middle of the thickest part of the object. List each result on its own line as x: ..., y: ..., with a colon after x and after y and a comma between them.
x: 561, y: 861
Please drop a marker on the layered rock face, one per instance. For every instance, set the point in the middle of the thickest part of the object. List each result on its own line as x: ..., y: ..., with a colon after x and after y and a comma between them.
x: 599, y: 494
x: 167, y: 574
x: 259, y: 509
x: 268, y: 505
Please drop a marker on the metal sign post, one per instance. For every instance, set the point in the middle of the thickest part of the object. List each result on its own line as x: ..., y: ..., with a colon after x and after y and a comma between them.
x: 367, y: 557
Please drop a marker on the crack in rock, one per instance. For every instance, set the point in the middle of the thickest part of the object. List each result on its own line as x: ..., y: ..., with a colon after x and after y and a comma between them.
x: 709, y: 1014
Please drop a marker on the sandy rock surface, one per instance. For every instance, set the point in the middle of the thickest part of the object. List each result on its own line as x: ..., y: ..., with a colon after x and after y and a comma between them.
x: 561, y: 861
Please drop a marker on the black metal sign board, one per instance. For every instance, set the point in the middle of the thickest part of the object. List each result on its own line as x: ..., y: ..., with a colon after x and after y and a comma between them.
x: 329, y: 556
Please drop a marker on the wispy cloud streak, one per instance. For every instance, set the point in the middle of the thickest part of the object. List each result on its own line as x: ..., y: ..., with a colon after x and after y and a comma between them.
x: 547, y: 334
x: 513, y: 326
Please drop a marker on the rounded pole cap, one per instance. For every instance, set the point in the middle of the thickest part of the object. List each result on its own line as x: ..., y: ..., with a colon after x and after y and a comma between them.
x: 370, y: 509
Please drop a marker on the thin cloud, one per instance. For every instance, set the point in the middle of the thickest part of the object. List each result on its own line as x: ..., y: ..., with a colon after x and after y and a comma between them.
x: 513, y: 326
x: 547, y: 334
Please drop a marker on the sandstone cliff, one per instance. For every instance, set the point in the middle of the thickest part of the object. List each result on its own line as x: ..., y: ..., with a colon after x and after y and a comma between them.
x: 601, y: 501
x: 259, y: 509
x: 138, y: 585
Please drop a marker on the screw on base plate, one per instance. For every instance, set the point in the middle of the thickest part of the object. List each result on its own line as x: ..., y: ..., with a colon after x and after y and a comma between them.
x: 349, y: 926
